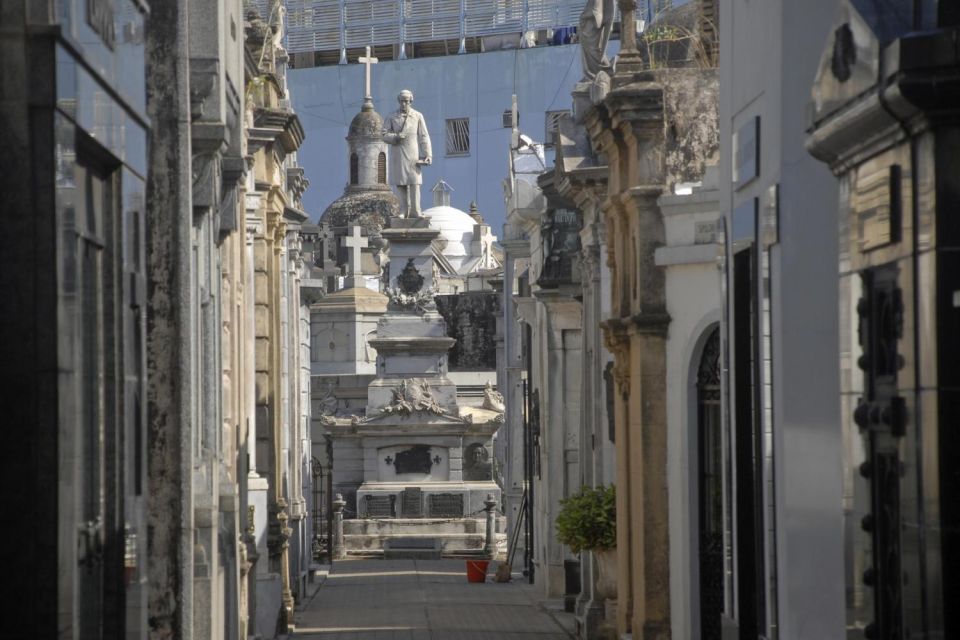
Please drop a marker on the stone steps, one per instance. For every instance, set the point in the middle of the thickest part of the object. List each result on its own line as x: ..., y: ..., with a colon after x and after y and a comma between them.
x: 448, y: 536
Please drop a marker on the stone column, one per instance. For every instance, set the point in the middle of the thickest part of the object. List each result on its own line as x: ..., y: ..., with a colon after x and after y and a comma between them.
x: 511, y: 385
x: 280, y: 527
x: 619, y: 344
x: 339, y: 551
x: 490, y: 545
x: 169, y: 398
x: 560, y: 426
x: 594, y: 437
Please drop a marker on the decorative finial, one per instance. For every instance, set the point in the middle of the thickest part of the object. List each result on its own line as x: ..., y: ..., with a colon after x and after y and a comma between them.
x: 475, y: 214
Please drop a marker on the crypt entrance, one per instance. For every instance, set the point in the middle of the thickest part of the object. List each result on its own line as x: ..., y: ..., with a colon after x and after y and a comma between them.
x: 709, y: 539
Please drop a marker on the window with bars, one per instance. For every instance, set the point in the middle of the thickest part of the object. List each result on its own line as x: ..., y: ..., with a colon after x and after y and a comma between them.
x: 458, y: 136
x: 550, y: 127
x: 382, y: 168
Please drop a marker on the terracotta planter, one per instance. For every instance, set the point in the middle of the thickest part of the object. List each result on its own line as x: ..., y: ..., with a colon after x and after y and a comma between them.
x: 607, y: 570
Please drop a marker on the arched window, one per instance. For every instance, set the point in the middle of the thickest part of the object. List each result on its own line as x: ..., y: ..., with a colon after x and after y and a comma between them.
x: 354, y: 169
x: 382, y: 168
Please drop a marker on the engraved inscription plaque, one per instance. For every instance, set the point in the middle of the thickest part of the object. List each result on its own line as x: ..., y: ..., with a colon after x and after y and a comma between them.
x: 414, y: 460
x: 705, y: 232
x: 446, y: 505
x: 412, y: 503
x: 877, y: 202
x: 380, y: 506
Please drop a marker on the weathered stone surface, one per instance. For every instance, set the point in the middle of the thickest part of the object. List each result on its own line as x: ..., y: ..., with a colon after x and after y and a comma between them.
x: 368, y: 209
x: 692, y: 140
x: 471, y: 320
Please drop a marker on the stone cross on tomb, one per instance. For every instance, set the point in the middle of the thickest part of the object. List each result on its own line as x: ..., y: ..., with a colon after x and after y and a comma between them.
x: 366, y: 61
x: 355, y: 243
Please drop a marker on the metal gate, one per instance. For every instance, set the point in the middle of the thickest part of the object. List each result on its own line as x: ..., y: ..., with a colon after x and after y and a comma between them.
x: 322, y: 510
x: 881, y: 416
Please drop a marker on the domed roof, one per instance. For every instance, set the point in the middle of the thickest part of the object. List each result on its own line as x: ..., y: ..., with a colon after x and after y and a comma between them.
x: 455, y: 227
x: 367, y: 123
x: 369, y: 209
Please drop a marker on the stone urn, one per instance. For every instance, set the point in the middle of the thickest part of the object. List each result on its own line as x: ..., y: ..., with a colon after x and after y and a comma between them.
x: 607, y: 573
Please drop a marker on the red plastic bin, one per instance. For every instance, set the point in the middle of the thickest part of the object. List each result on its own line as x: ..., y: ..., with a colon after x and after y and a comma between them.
x: 477, y: 570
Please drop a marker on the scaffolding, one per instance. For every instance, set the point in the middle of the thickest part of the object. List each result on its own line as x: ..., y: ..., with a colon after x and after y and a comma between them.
x: 326, y: 26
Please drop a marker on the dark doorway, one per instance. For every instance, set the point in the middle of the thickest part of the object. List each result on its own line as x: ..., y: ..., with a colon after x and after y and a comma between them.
x: 710, y: 488
x: 100, y: 385
x: 748, y: 449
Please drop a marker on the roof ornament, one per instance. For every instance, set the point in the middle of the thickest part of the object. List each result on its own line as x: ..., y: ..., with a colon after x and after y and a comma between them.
x: 441, y: 193
x: 409, y: 294
x: 367, y: 61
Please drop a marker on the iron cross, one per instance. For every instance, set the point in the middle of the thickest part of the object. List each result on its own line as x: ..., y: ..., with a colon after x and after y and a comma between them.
x: 366, y: 61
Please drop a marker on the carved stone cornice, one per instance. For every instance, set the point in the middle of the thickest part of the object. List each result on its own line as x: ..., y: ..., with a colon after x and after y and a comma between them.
x: 589, y: 195
x: 234, y: 169
x: 639, y: 199
x: 915, y: 86
x: 581, y: 185
x: 645, y: 323
x: 294, y: 215
x: 638, y: 104
x: 596, y: 121
x: 281, y: 126
x: 297, y: 182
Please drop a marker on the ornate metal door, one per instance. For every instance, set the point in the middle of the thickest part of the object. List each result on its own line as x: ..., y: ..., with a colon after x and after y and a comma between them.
x: 710, y: 489
x: 322, y: 509
x: 881, y: 417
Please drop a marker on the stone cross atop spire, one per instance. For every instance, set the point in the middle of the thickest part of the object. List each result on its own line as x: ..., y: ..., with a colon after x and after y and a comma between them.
x: 367, y: 61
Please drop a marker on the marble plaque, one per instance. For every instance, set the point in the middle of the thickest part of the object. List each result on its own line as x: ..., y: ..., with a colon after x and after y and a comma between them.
x: 746, y: 152
x: 379, y: 506
x: 877, y: 202
x: 705, y: 232
x: 414, y: 460
x: 446, y: 505
x: 412, y: 503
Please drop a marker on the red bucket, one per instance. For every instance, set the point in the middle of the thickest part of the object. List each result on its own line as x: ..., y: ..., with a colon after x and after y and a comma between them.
x: 477, y: 570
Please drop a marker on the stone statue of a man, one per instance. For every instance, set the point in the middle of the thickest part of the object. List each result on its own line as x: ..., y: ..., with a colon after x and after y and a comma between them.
x: 406, y: 131
x: 596, y: 22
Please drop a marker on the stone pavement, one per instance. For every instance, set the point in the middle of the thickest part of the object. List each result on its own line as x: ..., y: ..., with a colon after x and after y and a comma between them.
x: 376, y: 599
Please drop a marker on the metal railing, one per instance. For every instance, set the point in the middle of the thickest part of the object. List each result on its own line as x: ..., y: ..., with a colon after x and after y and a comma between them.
x: 331, y: 25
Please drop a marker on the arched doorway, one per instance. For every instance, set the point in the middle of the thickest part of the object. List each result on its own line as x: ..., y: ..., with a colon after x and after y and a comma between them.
x: 710, y: 488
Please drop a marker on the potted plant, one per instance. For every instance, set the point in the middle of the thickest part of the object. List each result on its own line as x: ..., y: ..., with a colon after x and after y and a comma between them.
x: 588, y: 522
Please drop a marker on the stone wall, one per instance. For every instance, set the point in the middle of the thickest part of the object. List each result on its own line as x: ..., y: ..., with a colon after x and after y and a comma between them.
x: 471, y: 319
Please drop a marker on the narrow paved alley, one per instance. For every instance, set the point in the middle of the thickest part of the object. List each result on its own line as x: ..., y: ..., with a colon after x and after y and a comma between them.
x: 424, y: 599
